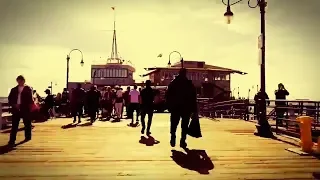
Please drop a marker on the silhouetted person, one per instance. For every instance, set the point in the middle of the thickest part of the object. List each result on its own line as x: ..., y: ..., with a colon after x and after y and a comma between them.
x: 107, y: 100
x: 146, y: 106
x: 48, y: 104
x: 259, y: 99
x: 77, y: 103
x: 280, y: 94
x: 127, y: 101
x: 181, y: 99
x: 134, y: 104
x: 21, y: 101
x: 93, y: 101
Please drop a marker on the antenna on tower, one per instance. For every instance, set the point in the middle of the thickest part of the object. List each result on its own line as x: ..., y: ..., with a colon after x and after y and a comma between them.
x: 114, y: 52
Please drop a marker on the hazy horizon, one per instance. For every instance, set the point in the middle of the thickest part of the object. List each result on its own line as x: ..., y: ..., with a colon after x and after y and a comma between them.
x: 38, y: 34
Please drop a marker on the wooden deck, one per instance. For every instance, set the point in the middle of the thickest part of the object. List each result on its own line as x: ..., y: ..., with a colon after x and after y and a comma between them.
x: 108, y: 150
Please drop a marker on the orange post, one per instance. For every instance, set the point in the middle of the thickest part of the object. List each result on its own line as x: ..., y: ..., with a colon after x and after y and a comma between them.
x: 305, y: 133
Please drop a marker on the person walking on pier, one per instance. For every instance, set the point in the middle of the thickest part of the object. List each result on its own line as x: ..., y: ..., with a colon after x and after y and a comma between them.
x: 93, y: 101
x: 21, y: 101
x: 77, y: 103
x: 134, y: 105
x: 118, y: 103
x: 281, y: 93
x: 146, y: 107
x: 181, y: 99
x: 127, y: 101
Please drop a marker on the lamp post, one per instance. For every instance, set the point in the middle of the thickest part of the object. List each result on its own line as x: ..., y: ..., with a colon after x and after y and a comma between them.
x: 51, y: 86
x: 181, y: 58
x: 263, y: 126
x: 68, y: 62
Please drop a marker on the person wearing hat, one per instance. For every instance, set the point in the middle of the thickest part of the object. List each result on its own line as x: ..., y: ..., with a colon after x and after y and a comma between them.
x: 281, y: 93
x: 48, y: 104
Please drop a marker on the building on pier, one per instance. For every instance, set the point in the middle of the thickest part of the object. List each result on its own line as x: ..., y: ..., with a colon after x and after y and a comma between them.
x: 210, y: 81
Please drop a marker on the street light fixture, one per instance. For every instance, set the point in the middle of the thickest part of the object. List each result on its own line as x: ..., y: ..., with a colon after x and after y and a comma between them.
x: 68, y: 62
x: 263, y: 126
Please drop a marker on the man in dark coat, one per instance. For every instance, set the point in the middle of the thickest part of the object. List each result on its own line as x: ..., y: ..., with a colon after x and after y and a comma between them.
x: 21, y: 101
x: 181, y: 99
x: 93, y: 101
x: 77, y: 102
x: 146, y: 107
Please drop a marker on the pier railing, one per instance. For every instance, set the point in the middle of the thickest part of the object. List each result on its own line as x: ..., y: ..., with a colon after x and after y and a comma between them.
x: 246, y: 109
x: 5, y: 117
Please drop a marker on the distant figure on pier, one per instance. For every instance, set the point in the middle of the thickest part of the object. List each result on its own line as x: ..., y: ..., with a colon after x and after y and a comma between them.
x: 93, y: 101
x: 259, y: 99
x: 281, y: 93
x: 21, y: 101
x: 48, y: 105
x: 118, y: 103
x: 77, y: 103
x: 134, y: 105
x: 106, y: 103
x: 181, y: 99
x: 146, y: 106
x: 127, y: 101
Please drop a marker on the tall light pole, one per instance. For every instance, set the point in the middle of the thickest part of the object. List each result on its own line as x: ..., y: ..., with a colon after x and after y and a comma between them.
x: 68, y: 63
x: 263, y: 126
x: 51, y: 86
x: 181, y: 58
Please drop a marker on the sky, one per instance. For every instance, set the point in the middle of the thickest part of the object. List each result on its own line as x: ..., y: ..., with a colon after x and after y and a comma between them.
x: 37, y: 35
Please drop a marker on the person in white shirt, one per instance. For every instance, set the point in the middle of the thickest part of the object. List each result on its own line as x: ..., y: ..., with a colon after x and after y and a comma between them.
x: 134, y: 97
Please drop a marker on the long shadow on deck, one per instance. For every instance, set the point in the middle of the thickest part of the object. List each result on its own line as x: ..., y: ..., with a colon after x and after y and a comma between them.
x: 6, y: 148
x: 70, y: 125
x: 195, y: 160
x: 9, y: 130
x: 150, y: 141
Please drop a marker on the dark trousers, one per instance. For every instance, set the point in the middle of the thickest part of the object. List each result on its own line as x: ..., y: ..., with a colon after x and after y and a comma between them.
x: 174, y: 121
x: 92, y: 111
x: 26, y: 117
x: 77, y: 111
x: 144, y: 112
x: 134, y: 107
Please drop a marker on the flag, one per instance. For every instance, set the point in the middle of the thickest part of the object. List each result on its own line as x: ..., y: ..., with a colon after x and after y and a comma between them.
x: 160, y: 55
x: 112, y: 8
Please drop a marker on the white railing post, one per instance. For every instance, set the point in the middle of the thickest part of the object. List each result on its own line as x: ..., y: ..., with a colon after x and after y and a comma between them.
x: 1, y: 119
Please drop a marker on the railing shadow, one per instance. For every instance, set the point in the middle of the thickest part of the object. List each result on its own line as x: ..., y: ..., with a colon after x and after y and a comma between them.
x: 195, y: 160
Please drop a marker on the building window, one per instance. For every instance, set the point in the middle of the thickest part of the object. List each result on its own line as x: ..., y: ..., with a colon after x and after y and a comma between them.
x: 228, y: 77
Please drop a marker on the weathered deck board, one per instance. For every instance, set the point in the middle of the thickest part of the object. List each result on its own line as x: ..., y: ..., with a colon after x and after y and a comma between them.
x: 112, y: 151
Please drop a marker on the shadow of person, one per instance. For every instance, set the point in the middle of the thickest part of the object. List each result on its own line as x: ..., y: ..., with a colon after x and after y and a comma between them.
x: 316, y: 175
x: 85, y: 124
x: 195, y: 160
x: 7, y: 148
x: 68, y: 126
x: 9, y: 130
x: 149, y: 141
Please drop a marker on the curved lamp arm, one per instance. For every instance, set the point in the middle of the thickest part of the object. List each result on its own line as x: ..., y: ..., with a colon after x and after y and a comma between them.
x: 169, y: 63
x: 68, y: 56
x: 249, y: 1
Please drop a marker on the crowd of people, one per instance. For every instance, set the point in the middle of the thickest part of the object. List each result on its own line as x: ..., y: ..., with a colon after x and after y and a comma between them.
x: 181, y: 100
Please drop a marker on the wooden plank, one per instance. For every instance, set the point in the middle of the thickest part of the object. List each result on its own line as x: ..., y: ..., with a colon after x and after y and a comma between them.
x: 112, y: 151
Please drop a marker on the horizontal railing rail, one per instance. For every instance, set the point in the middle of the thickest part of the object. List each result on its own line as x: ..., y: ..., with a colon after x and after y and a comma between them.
x: 246, y: 109
x: 5, y: 117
